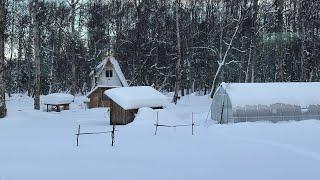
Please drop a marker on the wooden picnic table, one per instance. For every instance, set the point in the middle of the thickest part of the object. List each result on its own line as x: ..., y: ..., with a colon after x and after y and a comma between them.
x: 56, y: 107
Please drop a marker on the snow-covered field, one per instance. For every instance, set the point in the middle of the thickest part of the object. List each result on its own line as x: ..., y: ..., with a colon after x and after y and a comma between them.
x: 36, y: 145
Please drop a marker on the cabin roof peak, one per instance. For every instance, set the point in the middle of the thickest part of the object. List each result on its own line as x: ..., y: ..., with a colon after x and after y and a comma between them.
x: 99, y: 69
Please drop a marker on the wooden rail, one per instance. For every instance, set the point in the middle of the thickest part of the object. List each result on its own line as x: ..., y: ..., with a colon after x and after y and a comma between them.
x: 174, y: 126
x: 94, y: 133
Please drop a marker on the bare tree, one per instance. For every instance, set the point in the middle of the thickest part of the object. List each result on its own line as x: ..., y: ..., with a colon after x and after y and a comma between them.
x: 73, y: 4
x: 222, y: 61
x: 254, y: 30
x: 3, y: 109
x: 253, y: 43
x: 279, y: 8
x: 35, y: 8
x: 178, y: 65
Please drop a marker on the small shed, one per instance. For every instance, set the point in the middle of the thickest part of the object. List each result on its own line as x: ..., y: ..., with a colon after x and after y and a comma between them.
x: 106, y: 75
x: 126, y: 101
x: 248, y: 102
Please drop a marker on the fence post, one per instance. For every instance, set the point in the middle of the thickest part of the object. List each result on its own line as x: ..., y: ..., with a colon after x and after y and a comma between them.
x: 108, y: 115
x: 155, y: 132
x: 78, y: 135
x: 192, y: 123
x: 112, y: 134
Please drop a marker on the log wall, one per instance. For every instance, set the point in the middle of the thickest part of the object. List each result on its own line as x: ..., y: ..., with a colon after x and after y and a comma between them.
x: 98, y: 99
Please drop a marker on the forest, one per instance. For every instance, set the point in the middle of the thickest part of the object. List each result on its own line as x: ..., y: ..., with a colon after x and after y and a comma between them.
x: 173, y: 45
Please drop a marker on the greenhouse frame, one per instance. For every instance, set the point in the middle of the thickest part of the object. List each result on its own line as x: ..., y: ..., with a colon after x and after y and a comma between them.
x: 250, y: 102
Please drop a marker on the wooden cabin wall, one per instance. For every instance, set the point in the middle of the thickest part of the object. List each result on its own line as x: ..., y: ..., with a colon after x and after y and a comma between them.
x: 98, y: 99
x: 120, y: 116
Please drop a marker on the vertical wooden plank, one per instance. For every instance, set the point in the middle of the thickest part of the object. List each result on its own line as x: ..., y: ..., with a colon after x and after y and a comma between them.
x: 78, y: 135
x: 192, y: 125
x: 112, y: 135
x: 155, y: 132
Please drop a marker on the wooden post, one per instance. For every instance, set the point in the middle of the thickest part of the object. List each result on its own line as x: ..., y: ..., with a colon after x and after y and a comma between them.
x: 155, y: 132
x: 192, y: 124
x: 108, y: 115
x: 66, y: 107
x: 78, y: 135
x: 112, y: 134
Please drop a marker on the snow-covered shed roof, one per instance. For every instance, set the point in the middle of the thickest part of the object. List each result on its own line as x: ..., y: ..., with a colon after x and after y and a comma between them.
x: 294, y: 93
x: 98, y: 70
x: 58, y: 98
x: 137, y: 97
x: 100, y: 86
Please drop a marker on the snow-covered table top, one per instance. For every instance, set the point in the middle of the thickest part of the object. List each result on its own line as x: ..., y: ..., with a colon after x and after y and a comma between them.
x: 57, y: 98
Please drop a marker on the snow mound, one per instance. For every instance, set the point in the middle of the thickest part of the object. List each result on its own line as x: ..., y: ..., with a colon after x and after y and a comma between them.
x: 57, y: 98
x: 145, y: 115
x: 137, y: 97
x: 83, y: 99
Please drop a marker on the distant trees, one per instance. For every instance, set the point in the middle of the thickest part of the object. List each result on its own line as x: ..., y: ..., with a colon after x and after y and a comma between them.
x: 3, y: 109
x: 276, y: 40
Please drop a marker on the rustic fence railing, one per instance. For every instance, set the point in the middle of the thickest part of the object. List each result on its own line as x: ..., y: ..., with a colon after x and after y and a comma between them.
x: 112, y: 132
x: 192, y: 125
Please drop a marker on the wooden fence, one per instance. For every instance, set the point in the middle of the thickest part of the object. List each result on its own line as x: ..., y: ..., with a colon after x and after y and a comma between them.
x: 112, y: 132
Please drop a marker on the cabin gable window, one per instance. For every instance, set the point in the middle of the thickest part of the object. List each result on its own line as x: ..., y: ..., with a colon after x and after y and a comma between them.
x: 109, y: 73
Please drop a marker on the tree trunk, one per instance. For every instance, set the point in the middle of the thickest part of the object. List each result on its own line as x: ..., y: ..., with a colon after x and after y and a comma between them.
x: 223, y: 59
x: 178, y: 65
x: 279, y: 5
x: 73, y: 50
x: 3, y: 109
x: 249, y: 64
x: 28, y: 57
x: 36, y: 40
x: 51, y: 69
x: 254, y: 39
x: 19, y: 70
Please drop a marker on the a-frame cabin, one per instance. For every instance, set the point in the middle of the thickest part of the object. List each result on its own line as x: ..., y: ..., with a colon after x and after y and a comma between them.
x: 105, y: 76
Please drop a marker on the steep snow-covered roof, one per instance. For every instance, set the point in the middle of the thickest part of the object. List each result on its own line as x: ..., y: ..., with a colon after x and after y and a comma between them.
x: 57, y: 98
x: 294, y: 93
x: 98, y: 70
x: 137, y: 97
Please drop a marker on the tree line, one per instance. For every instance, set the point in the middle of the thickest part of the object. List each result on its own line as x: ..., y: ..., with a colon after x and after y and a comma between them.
x: 174, y: 45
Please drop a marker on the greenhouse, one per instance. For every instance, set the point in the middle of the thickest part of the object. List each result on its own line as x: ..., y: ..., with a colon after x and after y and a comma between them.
x: 249, y: 102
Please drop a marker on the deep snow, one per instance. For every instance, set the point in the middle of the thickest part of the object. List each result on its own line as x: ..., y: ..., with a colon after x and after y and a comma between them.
x: 36, y: 145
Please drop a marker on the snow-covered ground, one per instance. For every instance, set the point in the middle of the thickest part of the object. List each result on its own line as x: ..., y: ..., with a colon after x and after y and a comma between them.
x: 36, y: 145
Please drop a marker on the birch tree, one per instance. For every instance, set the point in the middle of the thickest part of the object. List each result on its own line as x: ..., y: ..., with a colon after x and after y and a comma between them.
x: 222, y: 61
x: 3, y: 109
x: 35, y: 8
